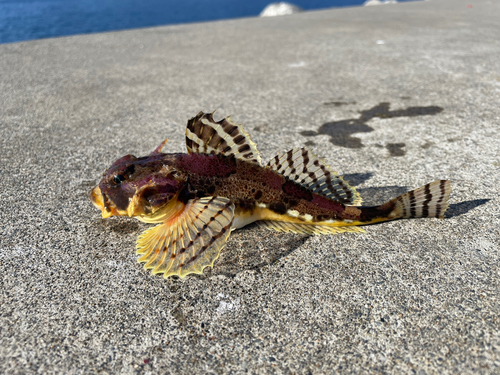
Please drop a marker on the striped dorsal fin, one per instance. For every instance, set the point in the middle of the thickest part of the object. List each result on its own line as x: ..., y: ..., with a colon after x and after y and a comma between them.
x: 189, y: 239
x: 205, y: 136
x: 303, y: 167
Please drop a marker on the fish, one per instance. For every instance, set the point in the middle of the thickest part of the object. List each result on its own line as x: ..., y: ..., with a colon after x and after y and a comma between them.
x: 198, y: 198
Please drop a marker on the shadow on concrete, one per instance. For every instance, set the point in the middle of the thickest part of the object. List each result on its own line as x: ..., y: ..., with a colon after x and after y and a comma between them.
x: 338, y: 103
x: 396, y: 149
x: 355, y: 179
x: 341, y: 132
x: 374, y: 196
x: 461, y: 208
x: 253, y: 248
x: 118, y: 225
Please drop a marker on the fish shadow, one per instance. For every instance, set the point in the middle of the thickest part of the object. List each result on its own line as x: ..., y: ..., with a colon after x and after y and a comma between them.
x: 119, y: 225
x: 458, y: 209
x: 253, y: 249
x: 374, y: 196
x: 355, y: 179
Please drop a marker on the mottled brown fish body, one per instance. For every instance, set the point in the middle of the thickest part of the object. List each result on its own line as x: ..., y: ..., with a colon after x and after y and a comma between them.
x: 252, y: 187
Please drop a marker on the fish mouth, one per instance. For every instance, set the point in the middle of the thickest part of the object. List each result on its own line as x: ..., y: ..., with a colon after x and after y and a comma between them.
x: 97, y: 199
x: 108, y: 208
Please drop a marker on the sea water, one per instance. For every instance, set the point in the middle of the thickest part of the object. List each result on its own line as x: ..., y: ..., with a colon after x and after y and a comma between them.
x: 35, y: 19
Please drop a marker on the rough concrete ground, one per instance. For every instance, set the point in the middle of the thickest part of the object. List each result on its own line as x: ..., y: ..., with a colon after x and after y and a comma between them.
x: 392, y: 96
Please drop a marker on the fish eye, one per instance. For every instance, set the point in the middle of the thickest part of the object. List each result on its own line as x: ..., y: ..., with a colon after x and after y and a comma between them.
x: 118, y: 179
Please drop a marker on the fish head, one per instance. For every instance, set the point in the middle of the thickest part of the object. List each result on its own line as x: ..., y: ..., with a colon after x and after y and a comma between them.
x: 138, y: 186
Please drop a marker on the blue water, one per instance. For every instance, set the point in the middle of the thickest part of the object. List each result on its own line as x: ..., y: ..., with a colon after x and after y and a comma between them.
x: 35, y: 19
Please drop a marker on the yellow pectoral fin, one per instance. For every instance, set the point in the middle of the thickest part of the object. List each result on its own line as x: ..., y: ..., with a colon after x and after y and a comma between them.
x: 188, y: 241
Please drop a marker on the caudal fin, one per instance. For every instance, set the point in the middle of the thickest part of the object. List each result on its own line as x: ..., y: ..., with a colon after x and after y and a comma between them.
x: 430, y: 200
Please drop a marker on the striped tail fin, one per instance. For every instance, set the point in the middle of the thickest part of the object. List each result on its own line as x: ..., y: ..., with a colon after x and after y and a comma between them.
x: 430, y: 200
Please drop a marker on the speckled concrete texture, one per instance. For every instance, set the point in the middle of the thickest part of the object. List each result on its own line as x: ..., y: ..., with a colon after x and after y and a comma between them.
x: 392, y: 96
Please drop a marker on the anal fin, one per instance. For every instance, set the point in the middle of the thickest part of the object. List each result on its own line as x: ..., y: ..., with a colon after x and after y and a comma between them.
x: 189, y: 241
x: 312, y: 229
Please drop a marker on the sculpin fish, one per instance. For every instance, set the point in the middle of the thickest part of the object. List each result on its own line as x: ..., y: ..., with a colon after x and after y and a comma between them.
x: 198, y: 198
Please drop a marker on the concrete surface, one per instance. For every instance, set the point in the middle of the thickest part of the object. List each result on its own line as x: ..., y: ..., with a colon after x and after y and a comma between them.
x: 392, y: 96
